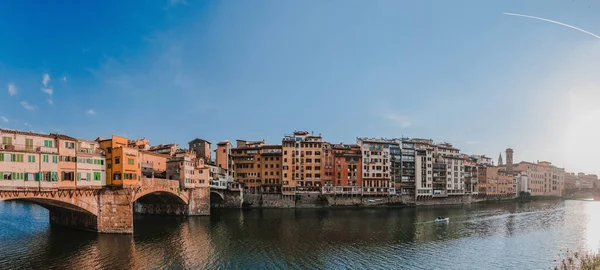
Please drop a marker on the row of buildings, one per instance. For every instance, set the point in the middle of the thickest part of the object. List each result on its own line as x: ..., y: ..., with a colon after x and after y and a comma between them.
x: 305, y: 163
x: 581, y: 181
x: 50, y: 161
x: 302, y: 163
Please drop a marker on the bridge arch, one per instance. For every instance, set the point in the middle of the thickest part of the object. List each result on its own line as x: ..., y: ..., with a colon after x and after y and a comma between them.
x: 84, y: 202
x: 166, y: 194
x: 160, y: 202
x: 66, y: 208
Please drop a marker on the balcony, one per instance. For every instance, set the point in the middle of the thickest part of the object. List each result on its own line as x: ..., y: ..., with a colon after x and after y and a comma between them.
x: 49, y: 150
x: 439, y: 194
x: 29, y: 148
x: 89, y: 151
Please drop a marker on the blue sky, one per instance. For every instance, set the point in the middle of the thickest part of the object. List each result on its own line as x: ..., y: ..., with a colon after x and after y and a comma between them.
x: 457, y: 71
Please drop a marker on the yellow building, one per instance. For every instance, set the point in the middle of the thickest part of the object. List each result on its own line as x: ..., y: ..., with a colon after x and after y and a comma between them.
x: 122, y: 166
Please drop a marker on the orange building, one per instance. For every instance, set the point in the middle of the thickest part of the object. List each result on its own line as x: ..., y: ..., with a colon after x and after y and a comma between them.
x: 224, y: 158
x: 347, y: 169
x: 544, y: 178
x: 302, y: 153
x: 246, y: 158
x: 141, y: 144
x: 288, y: 186
x: 153, y: 165
x: 165, y: 149
x: 191, y: 172
x: 201, y: 148
x: 327, y: 180
x: 270, y: 165
x: 122, y: 166
x: 499, y: 181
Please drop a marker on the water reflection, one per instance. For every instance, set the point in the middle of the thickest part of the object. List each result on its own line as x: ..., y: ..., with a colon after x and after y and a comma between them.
x: 500, y: 235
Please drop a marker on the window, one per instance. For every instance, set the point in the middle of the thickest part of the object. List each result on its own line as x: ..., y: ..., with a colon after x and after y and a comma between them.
x: 17, y: 157
x: 78, y: 176
x: 69, y: 145
x: 28, y: 144
x: 45, y: 158
x: 54, y: 159
x: 31, y: 159
x: 6, y: 141
x: 1, y: 156
x: 68, y: 176
x: 48, y: 143
x: 130, y: 161
x: 117, y: 160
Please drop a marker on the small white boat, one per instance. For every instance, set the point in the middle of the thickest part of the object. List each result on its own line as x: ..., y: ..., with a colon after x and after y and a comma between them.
x: 442, y: 220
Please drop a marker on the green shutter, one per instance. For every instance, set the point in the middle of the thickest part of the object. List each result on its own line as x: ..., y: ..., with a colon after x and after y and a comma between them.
x: 89, y: 176
x: 78, y: 176
x: 1, y: 156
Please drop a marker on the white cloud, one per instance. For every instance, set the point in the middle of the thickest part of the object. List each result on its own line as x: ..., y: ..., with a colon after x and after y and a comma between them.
x: 48, y: 91
x: 27, y: 106
x: 399, y: 120
x: 58, y: 130
x: 27, y: 124
x: 46, y: 79
x: 64, y: 78
x: 50, y: 101
x: 91, y: 112
x: 12, y: 89
x: 4, y: 119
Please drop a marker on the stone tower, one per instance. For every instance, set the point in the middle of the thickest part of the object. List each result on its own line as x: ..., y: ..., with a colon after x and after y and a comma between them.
x: 509, y: 159
x: 500, y: 160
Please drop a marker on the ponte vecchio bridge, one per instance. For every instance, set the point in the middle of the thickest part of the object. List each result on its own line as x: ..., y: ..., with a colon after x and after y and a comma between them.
x: 109, y: 209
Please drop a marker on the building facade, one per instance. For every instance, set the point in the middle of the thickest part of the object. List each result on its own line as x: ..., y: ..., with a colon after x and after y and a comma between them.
x: 544, y: 178
x: 346, y: 170
x: 165, y: 149
x: 190, y: 171
x: 224, y: 158
x: 376, y: 160
x: 246, y: 160
x: 302, y: 154
x: 122, y: 165
x: 201, y: 148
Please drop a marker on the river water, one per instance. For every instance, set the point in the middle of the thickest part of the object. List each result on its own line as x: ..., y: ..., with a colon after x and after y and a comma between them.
x: 505, y: 235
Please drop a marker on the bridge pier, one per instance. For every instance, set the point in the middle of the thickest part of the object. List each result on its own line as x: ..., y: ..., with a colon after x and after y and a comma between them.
x: 115, y: 211
x: 199, y: 202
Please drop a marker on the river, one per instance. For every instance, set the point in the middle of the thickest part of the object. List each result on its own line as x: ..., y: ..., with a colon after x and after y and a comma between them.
x: 506, y: 235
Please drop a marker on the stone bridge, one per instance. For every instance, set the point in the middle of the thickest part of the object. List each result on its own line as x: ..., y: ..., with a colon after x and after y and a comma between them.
x: 110, y: 209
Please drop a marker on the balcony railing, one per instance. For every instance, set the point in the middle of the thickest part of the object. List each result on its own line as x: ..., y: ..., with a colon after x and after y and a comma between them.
x: 29, y: 148
x: 89, y: 151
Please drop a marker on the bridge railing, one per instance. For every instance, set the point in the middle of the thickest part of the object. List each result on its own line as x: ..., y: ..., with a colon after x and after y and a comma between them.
x: 157, y: 182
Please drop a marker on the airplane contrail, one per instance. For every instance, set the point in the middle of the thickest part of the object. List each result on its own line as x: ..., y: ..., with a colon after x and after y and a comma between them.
x: 555, y: 22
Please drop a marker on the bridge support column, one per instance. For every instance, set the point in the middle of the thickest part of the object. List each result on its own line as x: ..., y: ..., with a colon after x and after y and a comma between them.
x: 115, y: 213
x: 199, y: 201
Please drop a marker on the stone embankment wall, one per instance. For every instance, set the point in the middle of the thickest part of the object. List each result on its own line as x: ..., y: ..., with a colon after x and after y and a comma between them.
x: 333, y: 201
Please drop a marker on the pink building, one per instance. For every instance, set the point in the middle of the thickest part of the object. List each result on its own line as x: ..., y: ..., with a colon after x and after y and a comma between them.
x: 191, y: 172
x: 34, y: 160
x: 90, y: 166
x: 28, y: 160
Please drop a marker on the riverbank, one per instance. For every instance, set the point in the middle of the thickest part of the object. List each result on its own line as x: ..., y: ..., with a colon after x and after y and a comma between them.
x: 348, y: 201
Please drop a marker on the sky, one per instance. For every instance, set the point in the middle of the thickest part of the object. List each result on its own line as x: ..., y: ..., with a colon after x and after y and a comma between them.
x: 455, y: 71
